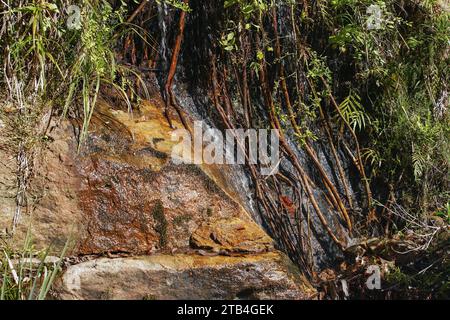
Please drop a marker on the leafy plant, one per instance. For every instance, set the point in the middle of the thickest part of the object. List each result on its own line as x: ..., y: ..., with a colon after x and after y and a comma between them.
x: 178, y: 4
x: 354, y: 112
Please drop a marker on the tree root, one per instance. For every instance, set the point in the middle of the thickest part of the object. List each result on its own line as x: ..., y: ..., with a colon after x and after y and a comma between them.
x: 169, y: 98
x: 335, y: 197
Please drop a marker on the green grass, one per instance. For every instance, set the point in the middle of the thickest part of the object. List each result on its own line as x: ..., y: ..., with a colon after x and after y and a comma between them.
x: 53, y: 66
x: 22, y: 278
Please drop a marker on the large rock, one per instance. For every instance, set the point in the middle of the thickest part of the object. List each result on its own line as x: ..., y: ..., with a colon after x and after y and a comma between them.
x: 263, y: 276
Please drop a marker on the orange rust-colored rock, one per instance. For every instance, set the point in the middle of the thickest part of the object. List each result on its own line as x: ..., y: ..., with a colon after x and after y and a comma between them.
x: 104, y: 196
x: 231, y: 236
x: 124, y: 179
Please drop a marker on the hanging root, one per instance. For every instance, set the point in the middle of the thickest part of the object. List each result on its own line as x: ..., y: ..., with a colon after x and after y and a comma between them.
x: 333, y: 193
x: 263, y: 192
x: 360, y: 164
x: 138, y: 10
x: 169, y: 98
x: 302, y: 174
x: 287, y: 200
x: 336, y: 157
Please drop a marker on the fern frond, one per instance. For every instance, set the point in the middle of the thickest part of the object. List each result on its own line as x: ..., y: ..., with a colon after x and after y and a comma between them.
x: 353, y: 111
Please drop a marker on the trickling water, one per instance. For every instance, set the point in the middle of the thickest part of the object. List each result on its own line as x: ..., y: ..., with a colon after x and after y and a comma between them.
x: 162, y: 14
x: 194, y: 98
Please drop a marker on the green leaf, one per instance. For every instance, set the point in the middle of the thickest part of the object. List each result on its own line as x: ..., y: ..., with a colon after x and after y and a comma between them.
x: 260, y: 55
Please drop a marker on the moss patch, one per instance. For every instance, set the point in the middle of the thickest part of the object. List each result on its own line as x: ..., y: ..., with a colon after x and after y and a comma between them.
x: 182, y: 219
x: 161, y: 223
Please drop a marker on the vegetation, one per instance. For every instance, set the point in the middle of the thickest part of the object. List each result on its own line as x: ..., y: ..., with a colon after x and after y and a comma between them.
x: 403, y: 69
x: 49, y: 58
x: 27, y: 275
x: 377, y: 93
x: 362, y: 83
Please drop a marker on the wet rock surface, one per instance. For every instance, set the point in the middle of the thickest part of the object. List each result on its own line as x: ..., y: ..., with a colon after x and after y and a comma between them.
x: 135, y: 199
x: 106, y: 197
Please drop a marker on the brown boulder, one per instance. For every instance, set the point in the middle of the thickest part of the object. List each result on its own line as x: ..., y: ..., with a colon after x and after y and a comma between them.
x: 231, y: 236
